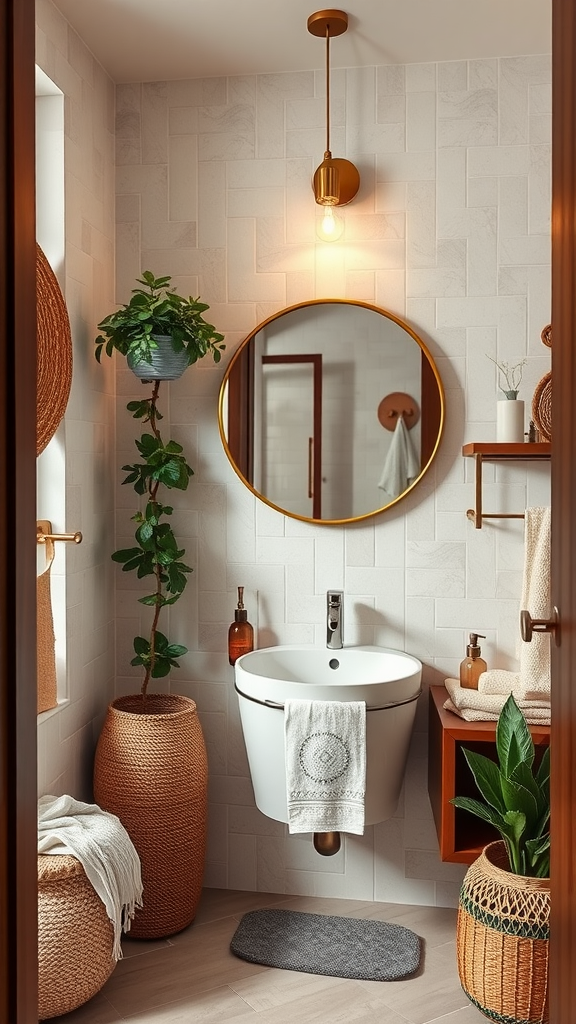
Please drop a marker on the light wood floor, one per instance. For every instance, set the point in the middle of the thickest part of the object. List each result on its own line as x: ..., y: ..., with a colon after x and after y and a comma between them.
x: 193, y: 976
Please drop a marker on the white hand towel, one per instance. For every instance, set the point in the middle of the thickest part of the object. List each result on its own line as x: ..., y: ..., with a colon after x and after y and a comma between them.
x: 402, y: 464
x: 498, y: 680
x: 102, y: 845
x: 325, y: 753
x: 462, y: 697
x: 535, y: 656
x: 533, y: 715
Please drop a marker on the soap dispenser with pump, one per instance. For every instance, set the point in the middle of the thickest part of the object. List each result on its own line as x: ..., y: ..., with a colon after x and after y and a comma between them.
x: 473, y: 665
x: 241, y: 632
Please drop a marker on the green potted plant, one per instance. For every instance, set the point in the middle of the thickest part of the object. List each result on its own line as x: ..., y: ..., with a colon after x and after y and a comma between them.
x: 503, y: 912
x: 158, y: 331
x: 150, y: 765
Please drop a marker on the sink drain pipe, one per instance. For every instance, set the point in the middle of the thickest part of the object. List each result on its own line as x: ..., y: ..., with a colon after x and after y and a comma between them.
x: 327, y: 843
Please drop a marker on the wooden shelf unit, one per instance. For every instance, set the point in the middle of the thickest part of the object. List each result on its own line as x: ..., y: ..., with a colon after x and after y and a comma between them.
x: 461, y: 836
x: 494, y: 451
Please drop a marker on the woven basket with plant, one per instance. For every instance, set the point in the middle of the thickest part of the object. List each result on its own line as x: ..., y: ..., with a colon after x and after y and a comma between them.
x: 503, y: 913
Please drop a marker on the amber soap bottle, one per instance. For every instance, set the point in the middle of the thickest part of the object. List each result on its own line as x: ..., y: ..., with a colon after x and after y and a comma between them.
x: 473, y: 665
x: 241, y: 632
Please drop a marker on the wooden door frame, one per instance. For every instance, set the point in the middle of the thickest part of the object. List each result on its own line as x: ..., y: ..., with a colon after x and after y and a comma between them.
x: 563, y: 729
x: 18, y: 921
x: 18, y: 786
x: 315, y: 448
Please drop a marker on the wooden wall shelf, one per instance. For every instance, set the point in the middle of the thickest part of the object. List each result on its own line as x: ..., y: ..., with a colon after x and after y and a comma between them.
x: 461, y: 836
x: 494, y: 451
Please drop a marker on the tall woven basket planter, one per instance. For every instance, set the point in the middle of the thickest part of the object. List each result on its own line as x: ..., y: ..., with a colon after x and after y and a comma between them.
x: 75, y: 937
x: 151, y: 771
x: 502, y: 940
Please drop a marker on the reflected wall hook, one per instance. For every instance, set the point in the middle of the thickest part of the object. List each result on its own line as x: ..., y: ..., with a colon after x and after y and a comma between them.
x: 396, y: 404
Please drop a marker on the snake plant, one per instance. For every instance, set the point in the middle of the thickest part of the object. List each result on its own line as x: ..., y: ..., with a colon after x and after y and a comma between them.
x: 516, y: 795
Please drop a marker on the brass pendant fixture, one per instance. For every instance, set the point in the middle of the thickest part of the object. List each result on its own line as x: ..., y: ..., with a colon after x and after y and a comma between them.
x: 336, y: 181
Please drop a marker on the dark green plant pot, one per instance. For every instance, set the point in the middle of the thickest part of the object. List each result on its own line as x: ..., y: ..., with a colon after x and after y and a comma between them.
x: 165, y: 363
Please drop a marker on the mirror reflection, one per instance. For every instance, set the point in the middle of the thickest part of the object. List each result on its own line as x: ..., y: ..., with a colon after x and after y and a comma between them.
x: 331, y: 411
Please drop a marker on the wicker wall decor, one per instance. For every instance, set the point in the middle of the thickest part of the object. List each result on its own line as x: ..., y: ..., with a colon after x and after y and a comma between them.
x: 151, y: 771
x: 54, y: 353
x: 542, y: 400
x: 75, y: 937
x: 502, y: 940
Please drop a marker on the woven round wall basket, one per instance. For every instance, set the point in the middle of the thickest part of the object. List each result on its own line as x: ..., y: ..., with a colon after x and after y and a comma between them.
x: 75, y: 937
x: 502, y: 940
x: 54, y: 353
x: 542, y: 406
x: 151, y: 771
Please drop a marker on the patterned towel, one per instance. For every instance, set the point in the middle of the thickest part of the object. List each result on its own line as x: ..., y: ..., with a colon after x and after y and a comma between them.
x: 325, y: 745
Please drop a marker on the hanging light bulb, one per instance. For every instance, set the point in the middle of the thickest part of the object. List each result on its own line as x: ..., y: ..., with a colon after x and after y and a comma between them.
x: 330, y: 227
x: 336, y: 181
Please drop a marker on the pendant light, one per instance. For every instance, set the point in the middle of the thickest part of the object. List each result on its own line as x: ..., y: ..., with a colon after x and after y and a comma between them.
x: 336, y: 181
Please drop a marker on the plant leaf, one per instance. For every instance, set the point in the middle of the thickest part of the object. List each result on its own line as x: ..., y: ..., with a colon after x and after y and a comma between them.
x: 513, y: 740
x: 141, y: 645
x: 489, y: 814
x: 518, y: 798
x: 125, y: 554
x: 487, y: 777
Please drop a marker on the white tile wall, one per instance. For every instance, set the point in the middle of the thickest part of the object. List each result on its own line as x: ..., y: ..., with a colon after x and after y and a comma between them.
x: 66, y: 737
x: 451, y: 230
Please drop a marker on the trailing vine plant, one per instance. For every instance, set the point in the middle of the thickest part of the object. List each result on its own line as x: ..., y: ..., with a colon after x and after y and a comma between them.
x: 157, y: 553
x: 153, y: 310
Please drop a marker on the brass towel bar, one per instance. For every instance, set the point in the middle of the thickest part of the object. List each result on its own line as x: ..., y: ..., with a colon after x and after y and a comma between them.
x: 44, y: 533
x: 495, y: 452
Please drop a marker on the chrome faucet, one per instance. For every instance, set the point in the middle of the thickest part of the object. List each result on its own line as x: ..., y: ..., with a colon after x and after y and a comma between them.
x: 334, y: 619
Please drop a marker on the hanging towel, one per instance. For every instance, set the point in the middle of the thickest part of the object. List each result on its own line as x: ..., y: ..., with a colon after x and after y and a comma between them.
x: 474, y: 706
x: 535, y: 656
x: 100, y: 842
x: 325, y: 744
x: 45, y: 640
x: 402, y: 464
x: 533, y: 680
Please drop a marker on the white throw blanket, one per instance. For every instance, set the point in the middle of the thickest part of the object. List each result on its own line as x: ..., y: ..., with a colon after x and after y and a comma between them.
x: 532, y: 682
x: 473, y: 706
x: 102, y: 845
x: 402, y: 464
x: 325, y: 765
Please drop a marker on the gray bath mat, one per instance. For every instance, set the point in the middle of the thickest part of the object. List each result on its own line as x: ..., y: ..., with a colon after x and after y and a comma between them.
x: 342, y: 947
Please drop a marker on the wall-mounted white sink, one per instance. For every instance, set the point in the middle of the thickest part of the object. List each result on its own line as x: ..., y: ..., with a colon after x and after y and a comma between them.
x: 387, y: 680
x: 377, y: 675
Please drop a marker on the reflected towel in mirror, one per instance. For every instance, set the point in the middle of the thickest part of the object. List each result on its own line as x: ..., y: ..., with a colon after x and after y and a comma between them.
x: 402, y: 464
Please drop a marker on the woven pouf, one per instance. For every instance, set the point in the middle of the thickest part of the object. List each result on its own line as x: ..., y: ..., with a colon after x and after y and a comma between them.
x: 151, y: 771
x: 502, y: 940
x: 75, y: 937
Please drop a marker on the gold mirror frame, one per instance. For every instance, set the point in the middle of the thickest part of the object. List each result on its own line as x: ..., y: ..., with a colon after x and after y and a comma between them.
x: 243, y: 353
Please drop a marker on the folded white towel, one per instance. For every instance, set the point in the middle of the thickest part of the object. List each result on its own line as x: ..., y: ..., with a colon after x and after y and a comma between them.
x: 102, y: 845
x: 533, y: 716
x: 486, y: 707
x: 402, y: 464
x: 325, y: 750
x: 498, y: 680
x: 535, y: 656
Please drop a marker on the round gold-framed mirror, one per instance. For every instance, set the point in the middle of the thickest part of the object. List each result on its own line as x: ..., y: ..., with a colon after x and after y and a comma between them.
x: 331, y: 410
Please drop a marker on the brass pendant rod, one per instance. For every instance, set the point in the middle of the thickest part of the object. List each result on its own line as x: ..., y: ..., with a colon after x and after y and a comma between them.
x: 327, y: 92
